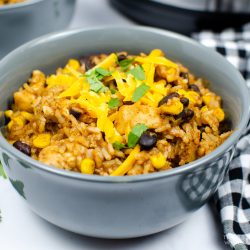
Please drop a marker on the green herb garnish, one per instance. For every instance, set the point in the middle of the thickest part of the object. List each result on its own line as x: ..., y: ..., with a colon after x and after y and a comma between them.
x: 125, y: 64
x: 94, y: 78
x: 118, y: 146
x: 138, y: 73
x: 140, y: 92
x: 103, y: 71
x: 113, y: 91
x: 135, y: 134
x: 97, y: 87
x: 114, y: 103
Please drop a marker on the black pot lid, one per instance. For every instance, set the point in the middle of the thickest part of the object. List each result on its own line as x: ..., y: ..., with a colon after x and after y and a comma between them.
x: 182, y: 20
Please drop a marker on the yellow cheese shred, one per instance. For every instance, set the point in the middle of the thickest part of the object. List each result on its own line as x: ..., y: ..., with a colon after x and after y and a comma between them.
x: 73, y: 90
x: 108, y: 62
x: 159, y: 60
x: 127, y: 164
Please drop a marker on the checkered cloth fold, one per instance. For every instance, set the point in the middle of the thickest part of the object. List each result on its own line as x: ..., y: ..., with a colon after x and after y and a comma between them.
x: 233, y: 196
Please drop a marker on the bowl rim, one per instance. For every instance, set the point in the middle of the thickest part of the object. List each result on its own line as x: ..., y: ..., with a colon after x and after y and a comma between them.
x: 185, y: 169
x: 19, y: 5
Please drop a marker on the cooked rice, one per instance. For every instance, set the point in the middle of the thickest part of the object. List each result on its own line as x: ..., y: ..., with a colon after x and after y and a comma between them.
x: 3, y: 2
x: 63, y: 123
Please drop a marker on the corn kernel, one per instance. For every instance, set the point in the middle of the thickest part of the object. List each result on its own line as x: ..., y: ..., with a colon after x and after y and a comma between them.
x: 207, y: 99
x: 219, y: 114
x: 23, y: 100
x: 10, y: 125
x: 156, y: 52
x: 191, y: 95
x: 19, y: 121
x: 42, y: 140
x: 173, y: 109
x: 204, y: 109
x: 74, y: 64
x: 172, y: 75
x: 26, y: 115
x: 158, y: 160
x: 8, y: 113
x: 87, y: 166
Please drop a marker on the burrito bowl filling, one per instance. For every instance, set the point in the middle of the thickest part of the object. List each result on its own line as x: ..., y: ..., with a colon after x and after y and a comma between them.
x: 117, y: 114
x: 4, y: 2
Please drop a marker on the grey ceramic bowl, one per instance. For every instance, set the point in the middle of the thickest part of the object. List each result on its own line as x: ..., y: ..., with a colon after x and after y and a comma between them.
x: 22, y: 22
x: 128, y: 206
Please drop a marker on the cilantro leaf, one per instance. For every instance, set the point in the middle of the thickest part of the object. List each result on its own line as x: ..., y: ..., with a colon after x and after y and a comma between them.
x: 113, y: 103
x: 90, y: 72
x: 118, y: 146
x: 2, y: 173
x: 113, y: 91
x: 93, y: 79
x: 103, y: 71
x: 135, y: 134
x: 140, y: 92
x: 137, y: 72
x: 125, y: 64
x: 96, y: 87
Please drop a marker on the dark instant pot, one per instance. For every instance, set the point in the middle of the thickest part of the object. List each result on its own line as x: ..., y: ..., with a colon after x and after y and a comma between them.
x: 186, y: 16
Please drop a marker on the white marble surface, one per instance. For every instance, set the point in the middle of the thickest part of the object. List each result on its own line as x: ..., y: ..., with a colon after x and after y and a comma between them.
x: 21, y: 229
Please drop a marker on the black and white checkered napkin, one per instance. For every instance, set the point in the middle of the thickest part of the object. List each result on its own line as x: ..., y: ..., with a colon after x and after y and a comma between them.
x: 233, y: 196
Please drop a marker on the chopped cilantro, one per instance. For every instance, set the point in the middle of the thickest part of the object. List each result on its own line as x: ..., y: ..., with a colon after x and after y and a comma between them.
x: 135, y: 134
x: 113, y: 91
x: 125, y: 64
x: 103, y: 71
x: 118, y: 146
x: 114, y: 103
x: 140, y: 92
x: 137, y: 72
x: 96, y: 87
x: 93, y: 77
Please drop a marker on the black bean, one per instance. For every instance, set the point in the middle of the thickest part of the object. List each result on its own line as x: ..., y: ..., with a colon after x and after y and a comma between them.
x: 184, y: 101
x: 202, y: 129
x: 121, y: 57
x: 87, y: 62
x: 225, y: 126
x: 181, y: 115
x: 51, y: 126
x: 75, y: 113
x: 128, y: 103
x: 189, y: 114
x: 168, y: 97
x: 23, y: 147
x: 194, y: 88
x: 186, y: 115
x: 176, y: 161
x: 147, y: 140
x: 103, y: 136
x: 184, y: 75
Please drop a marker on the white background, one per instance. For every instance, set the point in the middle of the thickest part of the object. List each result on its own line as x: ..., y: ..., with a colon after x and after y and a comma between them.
x: 21, y: 229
